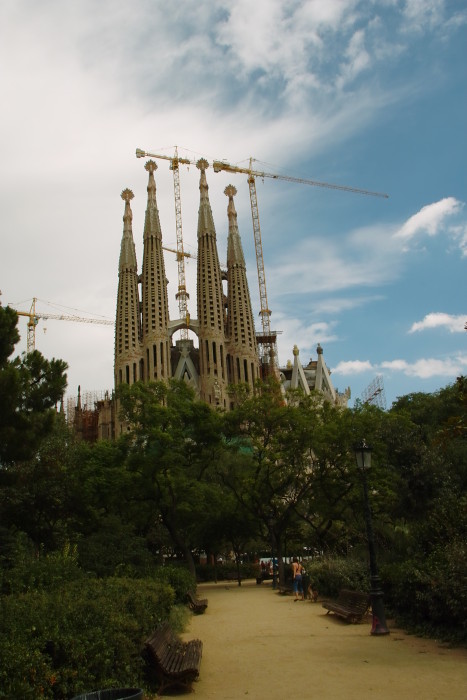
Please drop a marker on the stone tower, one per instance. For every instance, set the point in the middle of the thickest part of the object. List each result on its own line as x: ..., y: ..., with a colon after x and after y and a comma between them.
x: 154, y: 307
x: 242, y: 360
x: 211, y: 304
x: 127, y: 365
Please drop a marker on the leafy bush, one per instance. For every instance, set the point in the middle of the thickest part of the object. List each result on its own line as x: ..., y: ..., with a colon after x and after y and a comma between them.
x: 329, y: 574
x: 59, y: 643
x: 429, y: 596
x: 114, y: 550
x: 178, y: 577
x: 29, y: 571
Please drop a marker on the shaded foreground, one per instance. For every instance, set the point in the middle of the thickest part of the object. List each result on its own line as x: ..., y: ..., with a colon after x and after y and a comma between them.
x: 262, y: 645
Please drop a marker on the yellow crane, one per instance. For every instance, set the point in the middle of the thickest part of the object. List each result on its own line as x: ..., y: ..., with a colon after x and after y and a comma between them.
x: 182, y: 295
x: 267, y: 339
x: 33, y: 319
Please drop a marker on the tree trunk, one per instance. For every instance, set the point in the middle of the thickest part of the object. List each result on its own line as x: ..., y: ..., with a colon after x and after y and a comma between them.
x: 180, y: 543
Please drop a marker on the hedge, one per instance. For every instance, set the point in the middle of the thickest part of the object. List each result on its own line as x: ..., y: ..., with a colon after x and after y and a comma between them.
x: 89, y: 634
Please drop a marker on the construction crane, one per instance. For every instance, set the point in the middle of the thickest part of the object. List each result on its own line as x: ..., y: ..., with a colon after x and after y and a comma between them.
x: 267, y: 340
x: 185, y: 254
x: 374, y: 393
x: 182, y: 295
x: 33, y: 319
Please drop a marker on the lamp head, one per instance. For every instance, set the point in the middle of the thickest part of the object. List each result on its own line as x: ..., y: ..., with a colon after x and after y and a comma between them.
x: 363, y: 455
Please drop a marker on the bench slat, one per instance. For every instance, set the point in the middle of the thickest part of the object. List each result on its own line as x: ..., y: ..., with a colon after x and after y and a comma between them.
x: 175, y: 662
x: 197, y: 605
x: 351, y: 605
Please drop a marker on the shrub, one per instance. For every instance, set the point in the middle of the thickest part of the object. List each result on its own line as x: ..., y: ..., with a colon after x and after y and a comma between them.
x: 178, y: 577
x: 429, y: 596
x: 29, y: 571
x: 329, y: 574
x: 59, y: 643
x: 114, y: 550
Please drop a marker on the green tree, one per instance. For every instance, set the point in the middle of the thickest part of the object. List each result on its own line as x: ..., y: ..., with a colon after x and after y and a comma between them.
x: 172, y: 441
x: 36, y: 494
x: 30, y: 388
x: 271, y: 458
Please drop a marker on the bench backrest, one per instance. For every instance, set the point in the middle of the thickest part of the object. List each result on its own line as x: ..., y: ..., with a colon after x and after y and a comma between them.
x: 160, y: 638
x: 356, y: 600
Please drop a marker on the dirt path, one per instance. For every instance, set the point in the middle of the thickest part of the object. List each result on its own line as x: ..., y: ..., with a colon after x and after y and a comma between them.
x: 261, y: 645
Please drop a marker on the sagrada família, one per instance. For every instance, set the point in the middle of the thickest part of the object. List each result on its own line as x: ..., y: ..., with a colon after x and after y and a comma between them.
x: 228, y: 346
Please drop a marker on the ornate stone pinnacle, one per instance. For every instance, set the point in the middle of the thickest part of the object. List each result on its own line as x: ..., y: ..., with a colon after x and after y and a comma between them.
x: 127, y: 195
x: 230, y: 191
x: 202, y: 164
x: 151, y: 166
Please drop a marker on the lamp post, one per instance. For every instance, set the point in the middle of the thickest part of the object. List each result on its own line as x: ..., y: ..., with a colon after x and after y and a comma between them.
x: 274, y: 570
x: 379, y: 627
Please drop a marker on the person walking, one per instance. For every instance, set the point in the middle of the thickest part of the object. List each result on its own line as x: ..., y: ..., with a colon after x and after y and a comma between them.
x: 297, y: 570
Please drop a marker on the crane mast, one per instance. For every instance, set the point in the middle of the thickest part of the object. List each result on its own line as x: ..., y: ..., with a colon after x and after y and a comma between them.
x: 267, y: 341
x: 267, y: 344
x: 182, y: 294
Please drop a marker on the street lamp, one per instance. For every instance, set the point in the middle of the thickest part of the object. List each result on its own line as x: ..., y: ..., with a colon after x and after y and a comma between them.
x: 363, y: 456
x: 271, y: 530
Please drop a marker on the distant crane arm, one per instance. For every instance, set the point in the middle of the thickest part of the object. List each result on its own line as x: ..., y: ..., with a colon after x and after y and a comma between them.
x: 33, y: 318
x: 79, y: 319
x: 219, y: 165
x: 145, y: 154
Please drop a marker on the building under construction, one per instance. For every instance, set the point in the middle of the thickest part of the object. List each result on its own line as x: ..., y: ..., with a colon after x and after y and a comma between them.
x: 229, y: 351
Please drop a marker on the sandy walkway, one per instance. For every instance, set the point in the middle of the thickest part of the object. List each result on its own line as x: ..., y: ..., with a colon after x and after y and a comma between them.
x: 260, y: 644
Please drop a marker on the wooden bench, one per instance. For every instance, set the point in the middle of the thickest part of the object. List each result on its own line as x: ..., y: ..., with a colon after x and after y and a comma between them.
x: 351, y: 605
x: 197, y: 605
x: 174, y: 662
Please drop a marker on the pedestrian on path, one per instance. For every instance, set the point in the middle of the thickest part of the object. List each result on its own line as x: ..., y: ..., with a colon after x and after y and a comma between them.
x: 297, y: 569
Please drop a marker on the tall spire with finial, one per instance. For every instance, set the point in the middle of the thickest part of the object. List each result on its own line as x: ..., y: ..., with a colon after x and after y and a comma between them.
x: 155, y: 306
x: 243, y: 362
x: 128, y: 323
x: 211, y: 303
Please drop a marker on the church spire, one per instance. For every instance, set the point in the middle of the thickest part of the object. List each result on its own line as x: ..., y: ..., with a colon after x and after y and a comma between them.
x: 128, y: 323
x: 155, y: 307
x: 243, y: 364
x: 211, y: 303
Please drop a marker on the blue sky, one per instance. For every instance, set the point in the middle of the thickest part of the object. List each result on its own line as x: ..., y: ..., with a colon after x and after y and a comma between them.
x: 359, y: 93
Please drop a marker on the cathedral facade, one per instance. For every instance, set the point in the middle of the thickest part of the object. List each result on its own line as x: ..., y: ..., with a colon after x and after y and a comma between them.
x: 227, y: 351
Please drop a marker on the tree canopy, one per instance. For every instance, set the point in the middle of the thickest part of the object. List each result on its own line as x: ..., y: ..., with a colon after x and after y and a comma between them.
x: 30, y: 387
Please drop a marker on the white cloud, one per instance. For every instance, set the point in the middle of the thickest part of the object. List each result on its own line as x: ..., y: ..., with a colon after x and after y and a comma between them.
x: 429, y: 367
x: 336, y: 305
x: 424, y: 368
x: 459, y: 234
x: 353, y: 367
x: 357, y: 59
x: 454, y: 324
x: 305, y: 336
x: 430, y: 219
x: 422, y: 14
x: 365, y: 257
